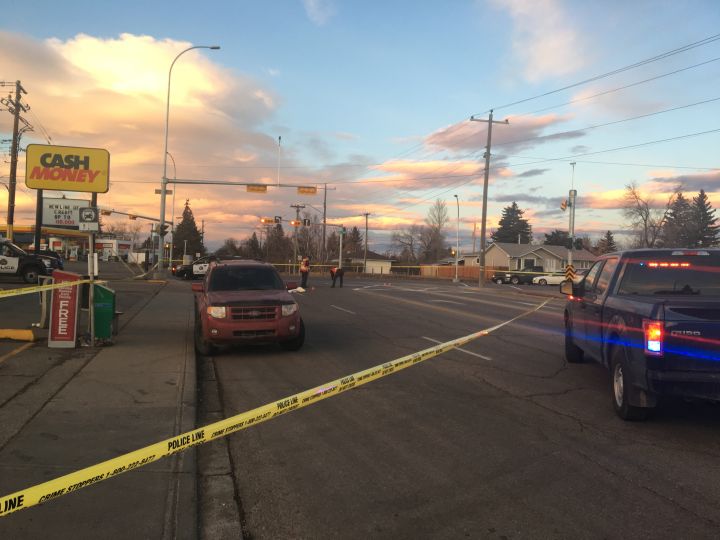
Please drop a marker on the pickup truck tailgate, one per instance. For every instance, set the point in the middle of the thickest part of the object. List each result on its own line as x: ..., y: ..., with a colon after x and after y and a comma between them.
x: 692, y: 336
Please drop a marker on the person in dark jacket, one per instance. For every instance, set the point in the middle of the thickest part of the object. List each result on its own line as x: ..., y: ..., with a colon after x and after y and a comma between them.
x: 304, y: 271
x: 336, y: 273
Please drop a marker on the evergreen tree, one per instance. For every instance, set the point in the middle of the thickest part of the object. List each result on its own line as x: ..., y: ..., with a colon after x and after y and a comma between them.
x: 187, y: 230
x: 511, y: 225
x: 703, y: 217
x: 556, y: 238
x: 353, y: 243
x: 679, y: 228
x: 254, y: 251
x: 606, y: 244
x: 279, y: 246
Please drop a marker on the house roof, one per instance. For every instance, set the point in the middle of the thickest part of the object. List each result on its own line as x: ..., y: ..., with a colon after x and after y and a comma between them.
x: 519, y: 250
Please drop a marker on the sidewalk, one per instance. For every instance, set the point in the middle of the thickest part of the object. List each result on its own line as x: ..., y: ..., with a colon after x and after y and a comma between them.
x: 137, y: 392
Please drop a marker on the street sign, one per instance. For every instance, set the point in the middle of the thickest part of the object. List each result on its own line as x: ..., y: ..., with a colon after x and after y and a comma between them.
x: 67, y: 168
x: 570, y: 272
x: 256, y: 188
x: 62, y: 212
x: 89, y: 219
x: 167, y: 192
x: 307, y: 190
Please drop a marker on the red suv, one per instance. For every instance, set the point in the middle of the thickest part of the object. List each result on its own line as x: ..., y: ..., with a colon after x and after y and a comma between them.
x: 245, y: 302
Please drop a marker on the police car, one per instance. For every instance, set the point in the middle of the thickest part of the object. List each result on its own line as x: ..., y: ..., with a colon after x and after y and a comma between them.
x: 196, y: 269
x: 15, y: 261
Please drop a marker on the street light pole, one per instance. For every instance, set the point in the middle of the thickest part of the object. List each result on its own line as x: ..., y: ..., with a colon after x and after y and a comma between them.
x: 172, y: 221
x: 164, y: 183
x: 457, y: 238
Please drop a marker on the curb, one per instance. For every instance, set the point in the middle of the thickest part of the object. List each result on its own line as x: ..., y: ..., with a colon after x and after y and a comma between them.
x: 17, y: 335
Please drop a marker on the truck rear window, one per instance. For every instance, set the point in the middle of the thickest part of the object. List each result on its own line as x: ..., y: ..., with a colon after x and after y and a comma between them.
x: 667, y: 275
x: 240, y: 278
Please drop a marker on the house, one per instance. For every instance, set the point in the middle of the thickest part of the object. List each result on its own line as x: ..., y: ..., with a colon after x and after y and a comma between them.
x: 376, y: 263
x: 520, y: 256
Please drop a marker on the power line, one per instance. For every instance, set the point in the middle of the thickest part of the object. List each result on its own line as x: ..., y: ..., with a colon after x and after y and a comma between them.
x: 660, y: 56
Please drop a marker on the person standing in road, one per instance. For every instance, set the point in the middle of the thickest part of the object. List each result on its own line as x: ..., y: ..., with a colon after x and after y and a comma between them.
x: 336, y: 273
x: 304, y: 271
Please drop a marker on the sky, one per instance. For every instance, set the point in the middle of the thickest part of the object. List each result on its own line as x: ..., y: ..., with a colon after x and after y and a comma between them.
x: 373, y: 99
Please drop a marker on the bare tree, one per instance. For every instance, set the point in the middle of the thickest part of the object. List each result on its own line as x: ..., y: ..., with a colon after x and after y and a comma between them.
x: 645, y: 214
x: 407, y: 242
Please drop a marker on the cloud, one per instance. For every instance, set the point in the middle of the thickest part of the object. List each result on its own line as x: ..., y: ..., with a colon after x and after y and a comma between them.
x: 709, y: 181
x: 579, y: 149
x: 419, y: 175
x: 521, y: 133
x: 531, y: 173
x: 543, y: 39
x: 319, y: 11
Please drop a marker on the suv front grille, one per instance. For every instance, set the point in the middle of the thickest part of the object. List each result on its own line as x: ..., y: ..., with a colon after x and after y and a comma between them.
x: 253, y: 333
x: 255, y: 313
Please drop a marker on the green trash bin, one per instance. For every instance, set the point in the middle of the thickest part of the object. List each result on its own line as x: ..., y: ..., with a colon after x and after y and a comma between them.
x: 104, y: 303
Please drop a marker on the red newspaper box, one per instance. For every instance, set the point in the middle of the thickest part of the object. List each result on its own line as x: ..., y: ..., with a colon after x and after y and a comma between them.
x: 64, y: 311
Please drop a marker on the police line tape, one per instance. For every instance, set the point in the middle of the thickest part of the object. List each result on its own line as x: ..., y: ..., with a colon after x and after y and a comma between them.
x: 69, y: 483
x: 6, y: 293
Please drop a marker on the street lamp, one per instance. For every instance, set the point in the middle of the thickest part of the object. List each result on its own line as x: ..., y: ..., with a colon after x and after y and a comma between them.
x: 164, y: 183
x: 457, y: 238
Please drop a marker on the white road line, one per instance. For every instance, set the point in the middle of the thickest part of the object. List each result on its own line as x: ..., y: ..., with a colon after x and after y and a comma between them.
x: 461, y: 349
x: 448, y: 302
x: 343, y: 309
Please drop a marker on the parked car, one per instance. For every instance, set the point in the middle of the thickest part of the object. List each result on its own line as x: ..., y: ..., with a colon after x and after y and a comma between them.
x: 15, y: 261
x: 55, y: 255
x: 549, y: 279
x: 652, y: 317
x: 244, y: 301
x: 197, y: 268
x: 517, y: 277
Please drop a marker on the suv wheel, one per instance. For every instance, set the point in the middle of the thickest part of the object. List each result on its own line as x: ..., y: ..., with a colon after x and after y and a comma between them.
x: 514, y: 280
x: 30, y: 274
x: 543, y: 282
x: 295, y: 343
x: 202, y: 347
x: 620, y: 385
x: 499, y: 281
x: 573, y: 353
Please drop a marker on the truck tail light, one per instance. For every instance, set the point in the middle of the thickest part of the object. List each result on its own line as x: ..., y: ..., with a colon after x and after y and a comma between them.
x: 654, y: 335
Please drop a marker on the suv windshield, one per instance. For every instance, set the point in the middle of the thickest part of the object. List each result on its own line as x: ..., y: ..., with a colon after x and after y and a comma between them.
x: 672, y: 275
x: 244, y: 278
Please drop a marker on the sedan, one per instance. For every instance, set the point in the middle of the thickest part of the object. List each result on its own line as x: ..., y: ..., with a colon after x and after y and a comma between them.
x: 549, y: 279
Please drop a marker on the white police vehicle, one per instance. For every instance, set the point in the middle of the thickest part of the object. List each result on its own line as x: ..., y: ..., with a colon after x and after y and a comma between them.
x: 15, y: 261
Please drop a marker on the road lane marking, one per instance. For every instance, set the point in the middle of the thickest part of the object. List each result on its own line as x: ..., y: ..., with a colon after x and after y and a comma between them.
x: 448, y: 302
x: 460, y: 349
x: 12, y: 353
x: 68, y: 483
x: 343, y: 309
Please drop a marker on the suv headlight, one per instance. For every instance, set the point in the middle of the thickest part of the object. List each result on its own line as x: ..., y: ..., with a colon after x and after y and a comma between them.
x: 217, y: 312
x: 289, y: 309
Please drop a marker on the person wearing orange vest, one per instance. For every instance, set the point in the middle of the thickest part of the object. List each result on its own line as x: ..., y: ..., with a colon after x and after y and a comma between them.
x: 336, y: 273
x: 304, y: 271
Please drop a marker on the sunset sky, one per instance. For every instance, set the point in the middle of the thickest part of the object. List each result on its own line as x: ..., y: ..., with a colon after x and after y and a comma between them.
x: 374, y: 99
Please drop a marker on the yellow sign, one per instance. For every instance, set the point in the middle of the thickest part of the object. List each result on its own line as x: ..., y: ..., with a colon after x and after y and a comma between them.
x: 307, y: 190
x: 256, y: 188
x: 65, y: 168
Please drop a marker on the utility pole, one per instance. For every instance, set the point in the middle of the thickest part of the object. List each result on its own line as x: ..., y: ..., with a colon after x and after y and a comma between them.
x: 474, y: 236
x: 483, y: 223
x: 297, y: 208
x: 15, y: 108
x: 278, y: 160
x: 366, y: 214
x: 323, y: 250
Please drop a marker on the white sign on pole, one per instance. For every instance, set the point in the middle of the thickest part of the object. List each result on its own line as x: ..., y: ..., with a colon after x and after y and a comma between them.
x: 62, y: 212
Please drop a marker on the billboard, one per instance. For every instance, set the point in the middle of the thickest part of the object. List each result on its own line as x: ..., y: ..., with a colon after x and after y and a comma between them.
x: 63, y: 212
x: 67, y: 168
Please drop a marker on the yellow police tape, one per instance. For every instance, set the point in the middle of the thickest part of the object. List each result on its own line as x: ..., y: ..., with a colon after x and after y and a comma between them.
x: 107, y: 469
x: 5, y: 293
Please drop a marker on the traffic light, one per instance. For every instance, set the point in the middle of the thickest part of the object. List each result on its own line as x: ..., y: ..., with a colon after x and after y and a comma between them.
x: 163, y: 229
x: 106, y: 212
x: 342, y: 231
x: 267, y: 220
x: 132, y: 216
x: 295, y: 223
x: 563, y: 205
x: 306, y: 222
x: 278, y: 219
x: 578, y: 243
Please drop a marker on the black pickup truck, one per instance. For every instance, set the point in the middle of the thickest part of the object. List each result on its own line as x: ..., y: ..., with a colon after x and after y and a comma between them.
x: 651, y: 316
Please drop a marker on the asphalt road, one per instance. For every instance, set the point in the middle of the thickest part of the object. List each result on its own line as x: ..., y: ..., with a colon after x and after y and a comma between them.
x: 500, y: 440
